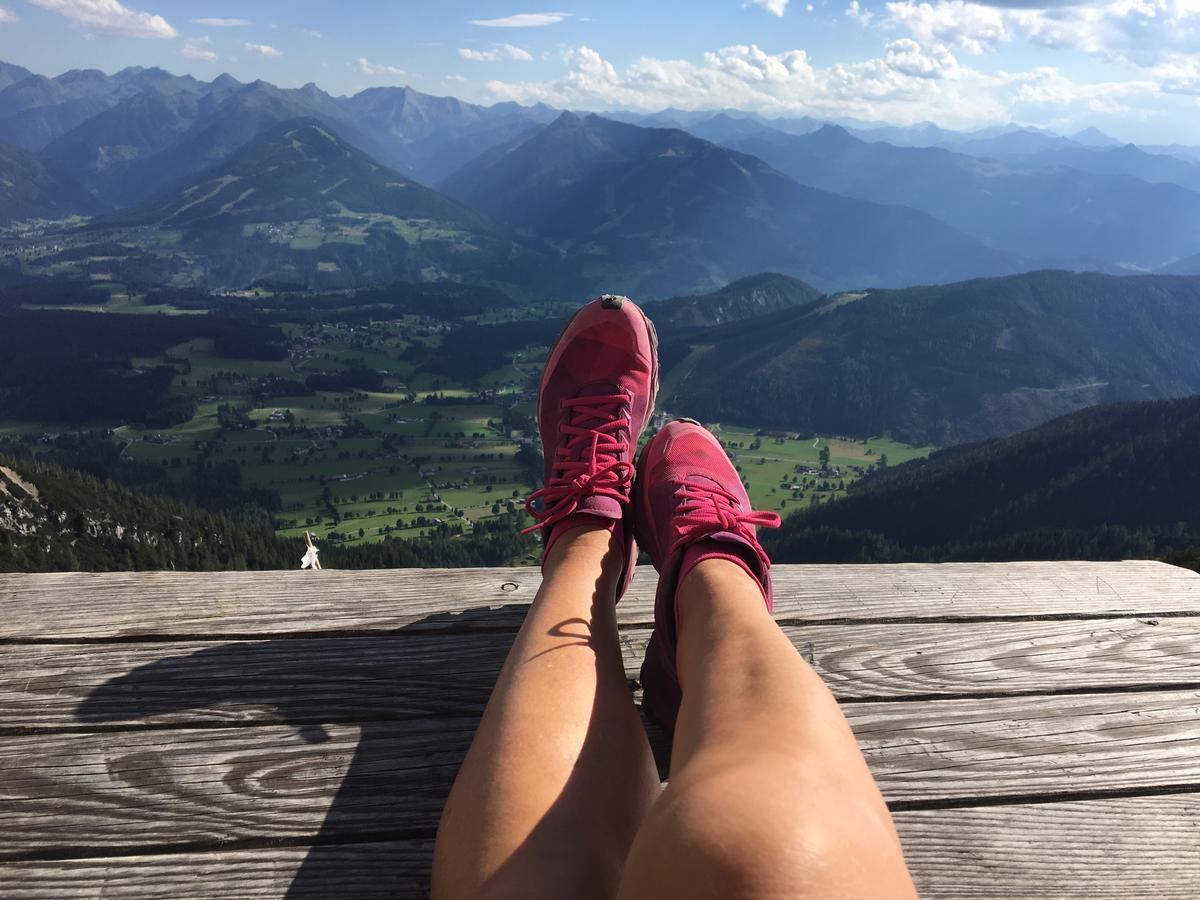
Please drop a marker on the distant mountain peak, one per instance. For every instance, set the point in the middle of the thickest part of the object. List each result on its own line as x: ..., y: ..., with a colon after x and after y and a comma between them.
x: 1094, y: 137
x: 299, y: 169
x: 830, y: 132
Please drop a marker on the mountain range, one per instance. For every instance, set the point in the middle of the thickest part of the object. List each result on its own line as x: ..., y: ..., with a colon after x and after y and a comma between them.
x: 644, y: 210
x: 945, y: 364
x: 35, y: 188
x: 299, y: 204
x: 654, y: 205
x: 1074, y: 208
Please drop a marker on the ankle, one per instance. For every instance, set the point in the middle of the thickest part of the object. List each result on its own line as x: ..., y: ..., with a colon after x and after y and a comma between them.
x: 718, y: 586
x: 592, y: 541
x: 719, y: 575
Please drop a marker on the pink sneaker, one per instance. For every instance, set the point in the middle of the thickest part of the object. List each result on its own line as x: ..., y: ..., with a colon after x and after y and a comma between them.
x: 690, y: 506
x: 595, y: 398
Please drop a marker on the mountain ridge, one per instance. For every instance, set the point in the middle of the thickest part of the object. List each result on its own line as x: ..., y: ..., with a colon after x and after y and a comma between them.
x: 650, y: 210
x: 948, y: 363
x: 1110, y: 482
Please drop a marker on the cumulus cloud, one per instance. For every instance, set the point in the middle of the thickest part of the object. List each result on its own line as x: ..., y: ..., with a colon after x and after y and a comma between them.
x: 524, y: 20
x: 198, y: 48
x: 1178, y: 74
x: 502, y: 52
x: 222, y: 23
x: 774, y: 7
x: 908, y: 57
x: 858, y: 14
x: 369, y: 68
x: 909, y: 82
x: 264, y: 50
x: 8, y: 17
x: 110, y: 17
x: 1139, y: 31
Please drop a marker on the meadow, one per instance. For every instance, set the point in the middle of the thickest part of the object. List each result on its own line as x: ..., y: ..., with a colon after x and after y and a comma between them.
x: 360, y: 433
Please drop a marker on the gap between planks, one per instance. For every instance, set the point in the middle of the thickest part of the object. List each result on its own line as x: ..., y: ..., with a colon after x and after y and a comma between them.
x: 130, y: 606
x: 106, y: 686
x: 1088, y: 849
x: 141, y: 788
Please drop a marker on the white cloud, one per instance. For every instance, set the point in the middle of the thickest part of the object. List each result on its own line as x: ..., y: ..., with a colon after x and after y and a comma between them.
x: 524, y: 20
x: 858, y: 14
x: 8, y: 17
x: 222, y: 23
x: 908, y: 82
x: 110, y: 17
x: 313, y: 33
x: 369, y: 68
x: 197, y: 48
x: 1139, y: 31
x: 264, y: 50
x: 502, y: 52
x: 457, y: 79
x: 1178, y: 74
x: 774, y: 7
x: 909, y: 58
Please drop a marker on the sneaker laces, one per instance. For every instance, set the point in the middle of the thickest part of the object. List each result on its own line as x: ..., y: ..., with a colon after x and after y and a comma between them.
x: 707, y: 509
x: 586, y: 462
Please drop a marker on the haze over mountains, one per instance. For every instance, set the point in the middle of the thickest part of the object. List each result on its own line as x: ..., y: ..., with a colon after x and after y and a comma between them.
x: 650, y: 209
x: 676, y: 203
x: 1072, y: 207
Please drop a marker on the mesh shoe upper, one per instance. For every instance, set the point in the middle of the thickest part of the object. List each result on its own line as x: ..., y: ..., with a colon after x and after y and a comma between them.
x: 596, y: 395
x: 689, y: 495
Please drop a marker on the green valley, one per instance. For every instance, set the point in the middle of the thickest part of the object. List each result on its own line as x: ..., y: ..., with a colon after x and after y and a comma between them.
x: 359, y: 416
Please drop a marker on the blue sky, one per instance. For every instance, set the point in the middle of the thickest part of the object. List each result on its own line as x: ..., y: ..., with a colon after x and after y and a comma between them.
x: 1130, y: 67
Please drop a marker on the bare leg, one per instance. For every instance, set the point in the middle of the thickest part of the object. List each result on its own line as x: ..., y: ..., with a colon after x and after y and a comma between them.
x: 769, y: 794
x: 560, y: 773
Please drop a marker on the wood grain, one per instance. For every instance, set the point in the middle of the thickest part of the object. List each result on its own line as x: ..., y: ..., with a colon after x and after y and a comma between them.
x: 1030, y: 746
x: 1129, y: 847
x: 73, y: 606
x: 131, y: 789
x: 75, y: 794
x: 215, y: 725
x: 366, y: 871
x: 351, y: 679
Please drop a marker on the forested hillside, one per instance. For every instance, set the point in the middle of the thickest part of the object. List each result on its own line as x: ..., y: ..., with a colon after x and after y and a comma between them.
x: 1110, y: 482
x: 948, y: 363
x: 56, y: 519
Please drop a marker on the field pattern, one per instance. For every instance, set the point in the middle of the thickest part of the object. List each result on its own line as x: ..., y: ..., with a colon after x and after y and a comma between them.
x: 377, y: 423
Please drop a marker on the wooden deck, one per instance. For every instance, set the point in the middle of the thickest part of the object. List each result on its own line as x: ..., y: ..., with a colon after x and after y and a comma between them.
x: 1035, y: 726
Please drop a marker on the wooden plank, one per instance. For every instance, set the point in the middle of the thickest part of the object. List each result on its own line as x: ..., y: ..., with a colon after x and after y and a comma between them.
x: 1129, y: 847
x: 367, y: 871
x: 140, y: 788
x: 1030, y: 746
x: 346, y: 680
x: 78, y: 606
x: 74, y: 793
x: 349, y: 679
x: 1090, y: 850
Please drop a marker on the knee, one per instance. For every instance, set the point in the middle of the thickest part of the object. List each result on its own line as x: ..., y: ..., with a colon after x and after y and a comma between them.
x: 743, y: 831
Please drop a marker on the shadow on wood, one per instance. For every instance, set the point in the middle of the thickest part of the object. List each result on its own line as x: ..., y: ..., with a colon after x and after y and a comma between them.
x: 408, y: 693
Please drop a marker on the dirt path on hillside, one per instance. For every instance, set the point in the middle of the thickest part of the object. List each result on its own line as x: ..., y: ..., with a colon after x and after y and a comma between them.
x: 19, y: 482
